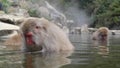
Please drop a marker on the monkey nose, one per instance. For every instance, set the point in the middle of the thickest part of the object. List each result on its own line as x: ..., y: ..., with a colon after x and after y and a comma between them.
x: 29, y: 34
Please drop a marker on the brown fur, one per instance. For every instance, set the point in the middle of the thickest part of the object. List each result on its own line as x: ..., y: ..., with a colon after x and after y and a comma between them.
x: 14, y: 43
x: 101, y: 34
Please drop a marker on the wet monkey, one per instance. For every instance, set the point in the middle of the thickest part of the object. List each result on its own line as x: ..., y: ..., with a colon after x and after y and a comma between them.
x: 39, y: 34
x: 101, y: 34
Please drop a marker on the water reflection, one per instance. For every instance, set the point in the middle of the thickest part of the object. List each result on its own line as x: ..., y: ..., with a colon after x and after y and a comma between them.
x: 102, y: 47
x: 47, y: 60
x: 82, y: 43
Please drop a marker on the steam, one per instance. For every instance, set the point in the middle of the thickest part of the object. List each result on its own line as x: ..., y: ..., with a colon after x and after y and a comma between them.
x: 73, y: 12
x: 79, y: 16
x: 56, y: 15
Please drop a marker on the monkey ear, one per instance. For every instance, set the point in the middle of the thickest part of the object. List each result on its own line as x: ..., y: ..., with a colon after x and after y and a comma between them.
x: 45, y: 23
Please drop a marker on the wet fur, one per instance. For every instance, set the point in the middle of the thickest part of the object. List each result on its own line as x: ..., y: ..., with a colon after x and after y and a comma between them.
x: 97, y: 34
x: 52, y: 38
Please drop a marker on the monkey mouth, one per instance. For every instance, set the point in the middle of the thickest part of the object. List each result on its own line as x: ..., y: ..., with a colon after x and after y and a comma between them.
x: 29, y: 41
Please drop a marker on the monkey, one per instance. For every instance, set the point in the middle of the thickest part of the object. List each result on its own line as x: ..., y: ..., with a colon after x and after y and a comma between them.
x: 39, y: 34
x: 13, y: 43
x: 101, y: 34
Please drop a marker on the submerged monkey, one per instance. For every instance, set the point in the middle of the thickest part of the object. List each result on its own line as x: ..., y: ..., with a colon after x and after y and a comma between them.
x: 101, y: 34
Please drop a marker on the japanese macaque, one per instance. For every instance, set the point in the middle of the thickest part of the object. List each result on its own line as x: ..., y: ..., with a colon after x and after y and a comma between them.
x: 101, y: 34
x: 38, y: 34
x: 13, y: 43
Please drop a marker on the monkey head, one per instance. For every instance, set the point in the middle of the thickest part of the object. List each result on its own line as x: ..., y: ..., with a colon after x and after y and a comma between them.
x: 103, y: 33
x: 33, y: 30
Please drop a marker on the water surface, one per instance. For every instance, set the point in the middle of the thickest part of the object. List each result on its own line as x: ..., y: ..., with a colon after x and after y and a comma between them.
x: 87, y: 54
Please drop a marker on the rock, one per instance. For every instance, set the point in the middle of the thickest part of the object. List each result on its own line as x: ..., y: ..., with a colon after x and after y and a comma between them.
x: 4, y: 26
x: 11, y: 19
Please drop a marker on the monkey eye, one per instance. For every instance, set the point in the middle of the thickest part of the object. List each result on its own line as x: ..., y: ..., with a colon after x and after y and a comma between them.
x: 37, y: 27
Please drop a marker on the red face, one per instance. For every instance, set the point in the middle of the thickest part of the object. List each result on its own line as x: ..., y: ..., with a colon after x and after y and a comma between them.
x: 33, y: 32
x: 33, y: 35
x: 29, y: 39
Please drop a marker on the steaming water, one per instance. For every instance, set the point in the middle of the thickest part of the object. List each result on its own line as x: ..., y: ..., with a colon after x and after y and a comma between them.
x: 88, y: 54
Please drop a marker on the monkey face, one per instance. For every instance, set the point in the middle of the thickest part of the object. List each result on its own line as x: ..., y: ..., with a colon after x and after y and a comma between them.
x: 33, y: 32
x: 102, y: 36
x: 103, y: 33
